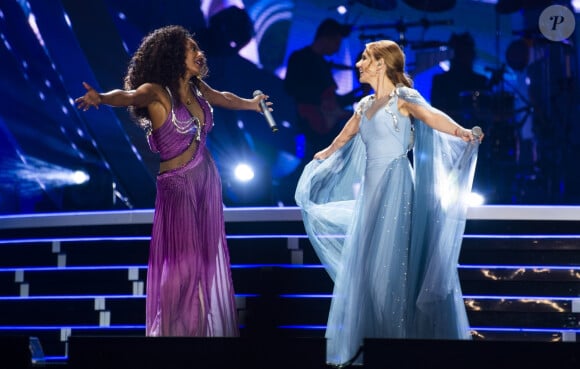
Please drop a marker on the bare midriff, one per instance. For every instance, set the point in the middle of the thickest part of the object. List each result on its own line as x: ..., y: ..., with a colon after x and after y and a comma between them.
x: 180, y: 160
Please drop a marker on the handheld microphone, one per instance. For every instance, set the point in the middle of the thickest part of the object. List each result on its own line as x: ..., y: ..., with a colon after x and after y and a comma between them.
x: 266, y: 112
x: 477, y: 132
x: 471, y: 149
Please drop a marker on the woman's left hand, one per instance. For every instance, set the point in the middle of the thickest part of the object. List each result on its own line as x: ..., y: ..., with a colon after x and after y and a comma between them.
x: 258, y: 99
x: 467, y: 134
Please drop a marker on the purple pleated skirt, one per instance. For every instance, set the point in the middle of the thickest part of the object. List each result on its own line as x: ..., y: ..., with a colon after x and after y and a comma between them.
x: 189, y: 285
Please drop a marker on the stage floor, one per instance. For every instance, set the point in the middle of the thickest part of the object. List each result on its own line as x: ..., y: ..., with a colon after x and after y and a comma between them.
x: 71, y: 279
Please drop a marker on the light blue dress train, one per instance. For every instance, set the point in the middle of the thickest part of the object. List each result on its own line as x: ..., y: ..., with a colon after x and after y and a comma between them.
x: 388, y: 228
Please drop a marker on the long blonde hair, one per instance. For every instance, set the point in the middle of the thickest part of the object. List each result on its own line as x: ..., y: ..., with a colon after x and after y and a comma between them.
x: 394, y: 60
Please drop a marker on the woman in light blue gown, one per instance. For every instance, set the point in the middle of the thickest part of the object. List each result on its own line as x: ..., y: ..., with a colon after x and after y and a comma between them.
x: 388, y: 228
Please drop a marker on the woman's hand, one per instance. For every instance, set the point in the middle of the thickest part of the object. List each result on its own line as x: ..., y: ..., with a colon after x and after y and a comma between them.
x: 467, y: 134
x: 90, y: 98
x: 323, y: 154
x: 258, y: 99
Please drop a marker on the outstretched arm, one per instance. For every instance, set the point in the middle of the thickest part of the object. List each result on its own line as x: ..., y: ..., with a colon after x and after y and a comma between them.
x: 348, y: 131
x: 230, y: 100
x: 438, y: 120
x: 141, y: 97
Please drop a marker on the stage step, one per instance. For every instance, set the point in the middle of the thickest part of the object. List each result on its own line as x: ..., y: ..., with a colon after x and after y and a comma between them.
x: 65, y: 276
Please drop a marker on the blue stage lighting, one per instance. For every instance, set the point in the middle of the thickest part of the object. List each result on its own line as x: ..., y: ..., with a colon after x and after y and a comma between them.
x: 475, y: 199
x: 244, y: 172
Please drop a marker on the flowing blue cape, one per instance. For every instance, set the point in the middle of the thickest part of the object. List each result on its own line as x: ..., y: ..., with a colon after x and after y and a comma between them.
x: 443, y: 169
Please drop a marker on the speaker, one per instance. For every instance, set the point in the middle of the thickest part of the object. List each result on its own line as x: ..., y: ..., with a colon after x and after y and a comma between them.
x: 424, y: 354
x: 195, y: 352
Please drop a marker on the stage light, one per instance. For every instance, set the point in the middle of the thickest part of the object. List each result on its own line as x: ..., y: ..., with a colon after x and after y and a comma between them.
x: 445, y: 65
x: 243, y: 172
x: 80, y: 177
x: 341, y: 9
x: 34, y: 27
x: 59, y: 177
x: 450, y: 195
x: 48, y: 175
x: 247, y: 183
x: 475, y: 199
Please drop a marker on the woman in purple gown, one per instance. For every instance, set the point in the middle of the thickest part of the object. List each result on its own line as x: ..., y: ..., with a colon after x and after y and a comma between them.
x: 189, y: 285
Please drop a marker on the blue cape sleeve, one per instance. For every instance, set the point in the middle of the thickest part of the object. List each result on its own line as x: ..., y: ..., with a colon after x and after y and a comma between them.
x: 326, y: 195
x: 444, y: 168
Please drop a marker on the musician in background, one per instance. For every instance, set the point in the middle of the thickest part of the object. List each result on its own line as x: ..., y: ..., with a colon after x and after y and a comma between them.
x: 465, y: 96
x: 321, y: 111
x: 453, y: 91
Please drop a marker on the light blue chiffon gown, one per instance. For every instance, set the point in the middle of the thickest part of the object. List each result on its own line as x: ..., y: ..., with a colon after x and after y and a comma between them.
x: 388, y: 229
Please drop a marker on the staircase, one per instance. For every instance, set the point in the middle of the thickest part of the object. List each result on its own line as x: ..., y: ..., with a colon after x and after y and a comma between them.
x: 520, y: 273
x: 83, y: 274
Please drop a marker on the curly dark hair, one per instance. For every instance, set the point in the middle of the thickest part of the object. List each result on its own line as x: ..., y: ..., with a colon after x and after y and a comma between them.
x: 159, y: 59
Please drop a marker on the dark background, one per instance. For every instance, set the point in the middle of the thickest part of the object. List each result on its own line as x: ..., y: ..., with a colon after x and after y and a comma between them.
x: 48, y: 48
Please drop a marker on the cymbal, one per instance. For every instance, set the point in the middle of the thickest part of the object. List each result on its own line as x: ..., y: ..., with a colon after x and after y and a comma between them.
x: 518, y: 54
x: 431, y: 6
x: 379, y: 4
